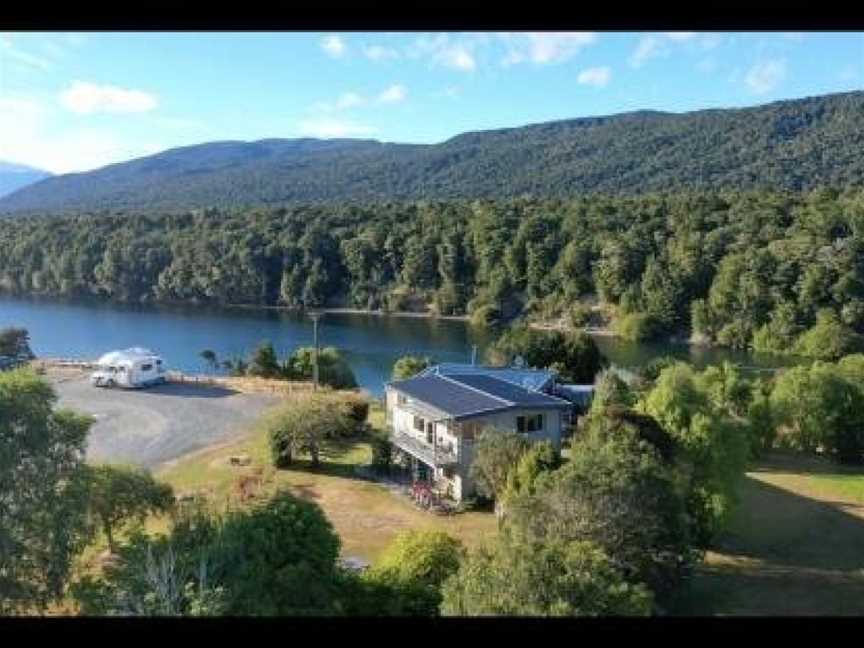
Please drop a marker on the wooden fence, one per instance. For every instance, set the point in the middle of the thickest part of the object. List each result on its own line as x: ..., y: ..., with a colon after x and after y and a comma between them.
x: 239, y: 383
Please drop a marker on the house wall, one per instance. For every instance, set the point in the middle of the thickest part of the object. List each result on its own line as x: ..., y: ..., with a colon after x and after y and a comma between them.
x: 463, y: 485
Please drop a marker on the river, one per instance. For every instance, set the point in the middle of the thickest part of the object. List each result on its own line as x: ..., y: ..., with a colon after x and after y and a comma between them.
x: 371, y: 343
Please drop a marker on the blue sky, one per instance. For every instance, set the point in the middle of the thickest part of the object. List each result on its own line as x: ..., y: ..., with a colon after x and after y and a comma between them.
x: 74, y: 102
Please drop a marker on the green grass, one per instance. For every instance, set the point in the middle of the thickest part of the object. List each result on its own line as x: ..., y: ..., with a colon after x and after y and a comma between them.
x: 366, y: 515
x: 795, y: 545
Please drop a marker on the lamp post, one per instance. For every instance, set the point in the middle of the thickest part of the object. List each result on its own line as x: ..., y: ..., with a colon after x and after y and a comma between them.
x: 315, y: 315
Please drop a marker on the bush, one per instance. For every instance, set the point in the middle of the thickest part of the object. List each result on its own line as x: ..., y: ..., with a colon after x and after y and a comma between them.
x: 638, y: 327
x: 409, y: 366
x: 333, y: 370
x: 828, y: 339
x: 275, y: 559
x: 486, y: 317
x: 549, y: 579
x: 382, y: 453
x: 310, y: 425
x: 411, y: 571
x: 580, y: 315
x: 574, y: 355
x: 652, y: 370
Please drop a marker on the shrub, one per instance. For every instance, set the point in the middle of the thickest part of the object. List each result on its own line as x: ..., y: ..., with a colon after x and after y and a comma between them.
x: 409, y: 366
x: 580, y: 315
x: 486, y: 316
x: 382, y: 453
x: 312, y: 425
x: 544, y: 579
x: 638, y: 327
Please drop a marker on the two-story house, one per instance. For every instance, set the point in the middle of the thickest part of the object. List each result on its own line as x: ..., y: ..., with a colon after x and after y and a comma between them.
x: 435, y: 417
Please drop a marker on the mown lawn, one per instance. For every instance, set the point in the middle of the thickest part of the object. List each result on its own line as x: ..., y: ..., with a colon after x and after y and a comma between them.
x: 794, y: 547
x: 365, y: 514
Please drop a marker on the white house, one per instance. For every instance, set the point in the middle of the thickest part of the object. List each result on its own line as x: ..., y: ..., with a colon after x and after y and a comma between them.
x: 435, y: 417
x: 134, y: 367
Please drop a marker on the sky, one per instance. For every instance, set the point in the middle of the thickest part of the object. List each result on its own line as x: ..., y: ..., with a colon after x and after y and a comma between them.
x: 77, y: 101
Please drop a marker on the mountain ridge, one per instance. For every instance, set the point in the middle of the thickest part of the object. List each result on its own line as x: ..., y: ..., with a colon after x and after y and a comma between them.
x: 14, y: 176
x: 793, y: 144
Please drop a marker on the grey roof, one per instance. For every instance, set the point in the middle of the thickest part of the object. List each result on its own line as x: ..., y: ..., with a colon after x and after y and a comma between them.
x: 533, y: 379
x: 465, y: 395
x: 448, y: 396
x: 508, y: 391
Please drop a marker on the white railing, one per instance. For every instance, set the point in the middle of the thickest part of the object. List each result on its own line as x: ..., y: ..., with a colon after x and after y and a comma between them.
x: 432, y: 454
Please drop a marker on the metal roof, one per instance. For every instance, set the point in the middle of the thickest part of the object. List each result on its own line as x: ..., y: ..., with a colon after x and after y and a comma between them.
x: 465, y: 395
x: 532, y: 379
x: 449, y: 396
x: 507, y: 391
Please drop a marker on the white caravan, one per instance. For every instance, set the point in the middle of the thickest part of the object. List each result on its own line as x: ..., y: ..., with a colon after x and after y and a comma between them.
x: 135, y: 367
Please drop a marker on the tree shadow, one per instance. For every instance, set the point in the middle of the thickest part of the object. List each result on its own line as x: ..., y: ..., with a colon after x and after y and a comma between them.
x: 782, y: 554
x: 190, y: 390
x: 776, y: 525
x: 796, y: 463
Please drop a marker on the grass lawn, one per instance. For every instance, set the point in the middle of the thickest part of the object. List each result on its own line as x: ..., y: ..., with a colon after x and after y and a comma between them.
x: 794, y: 547
x: 366, y: 515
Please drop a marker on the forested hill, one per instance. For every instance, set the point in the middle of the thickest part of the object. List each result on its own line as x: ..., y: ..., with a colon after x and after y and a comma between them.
x: 794, y: 145
x: 14, y: 176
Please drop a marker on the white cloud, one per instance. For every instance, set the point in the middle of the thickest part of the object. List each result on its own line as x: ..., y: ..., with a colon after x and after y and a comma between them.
x: 349, y: 100
x: 333, y: 45
x: 26, y: 137
x: 333, y: 128
x: 544, y: 47
x: 8, y: 50
x: 647, y: 48
x: 459, y: 57
x: 764, y: 76
x: 86, y: 98
x: 680, y: 35
x: 441, y: 50
x: 379, y: 53
x: 393, y: 94
x: 659, y: 45
x: 596, y: 76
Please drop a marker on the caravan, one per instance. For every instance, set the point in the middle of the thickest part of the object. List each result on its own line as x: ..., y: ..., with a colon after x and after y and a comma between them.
x: 135, y: 367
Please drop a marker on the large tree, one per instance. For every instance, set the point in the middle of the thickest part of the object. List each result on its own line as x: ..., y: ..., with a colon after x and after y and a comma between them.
x: 619, y: 493
x: 408, y: 576
x: 43, y: 492
x: 574, y: 355
x: 119, y: 494
x: 542, y: 579
x: 278, y: 558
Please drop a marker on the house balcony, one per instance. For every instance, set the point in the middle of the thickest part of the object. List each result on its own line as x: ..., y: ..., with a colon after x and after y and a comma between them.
x: 427, y: 453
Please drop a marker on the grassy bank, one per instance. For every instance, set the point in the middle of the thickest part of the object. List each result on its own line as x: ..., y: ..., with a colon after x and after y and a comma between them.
x: 366, y: 515
x: 793, y: 548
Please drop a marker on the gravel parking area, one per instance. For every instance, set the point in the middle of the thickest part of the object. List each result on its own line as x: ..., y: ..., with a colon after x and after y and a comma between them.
x: 151, y: 426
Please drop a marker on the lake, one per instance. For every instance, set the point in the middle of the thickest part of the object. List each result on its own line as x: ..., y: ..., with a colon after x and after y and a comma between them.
x: 371, y: 343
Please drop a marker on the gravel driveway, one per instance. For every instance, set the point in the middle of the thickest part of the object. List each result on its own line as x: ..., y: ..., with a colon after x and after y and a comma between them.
x: 151, y: 426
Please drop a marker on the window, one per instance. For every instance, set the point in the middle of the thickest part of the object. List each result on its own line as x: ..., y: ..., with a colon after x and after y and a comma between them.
x: 430, y: 433
x: 532, y: 423
x: 146, y: 367
x: 419, y: 423
x: 400, y: 399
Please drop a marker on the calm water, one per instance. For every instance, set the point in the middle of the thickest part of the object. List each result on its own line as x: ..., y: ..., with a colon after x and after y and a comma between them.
x: 371, y: 343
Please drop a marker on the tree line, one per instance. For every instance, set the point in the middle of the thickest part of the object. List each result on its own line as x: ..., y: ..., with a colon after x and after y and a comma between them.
x: 767, y: 271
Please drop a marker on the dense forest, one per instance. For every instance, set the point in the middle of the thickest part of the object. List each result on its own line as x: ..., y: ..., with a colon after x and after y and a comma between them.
x: 787, y: 145
x: 765, y: 270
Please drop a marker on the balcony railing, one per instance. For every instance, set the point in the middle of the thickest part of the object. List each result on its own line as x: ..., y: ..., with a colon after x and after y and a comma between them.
x: 426, y: 452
